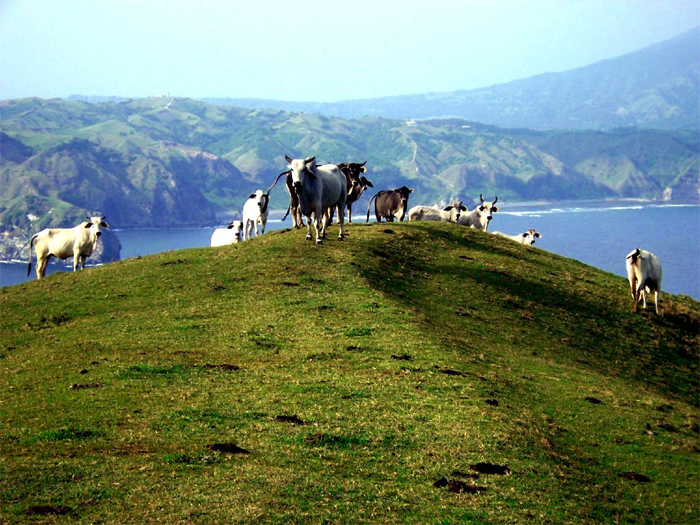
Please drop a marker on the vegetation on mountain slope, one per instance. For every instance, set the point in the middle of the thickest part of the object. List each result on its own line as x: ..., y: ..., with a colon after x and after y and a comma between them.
x: 414, y: 373
x: 164, y: 162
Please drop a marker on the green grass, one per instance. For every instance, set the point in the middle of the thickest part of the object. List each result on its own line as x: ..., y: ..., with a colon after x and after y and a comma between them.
x: 405, y: 354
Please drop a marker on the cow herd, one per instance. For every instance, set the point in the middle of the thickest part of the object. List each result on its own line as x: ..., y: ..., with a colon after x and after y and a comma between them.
x: 317, y: 192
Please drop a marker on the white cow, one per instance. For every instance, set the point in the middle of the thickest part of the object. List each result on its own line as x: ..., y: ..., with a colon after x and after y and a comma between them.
x: 255, y: 213
x: 232, y: 234
x: 450, y: 213
x: 480, y: 216
x: 78, y: 242
x: 527, y: 238
x: 644, y: 274
x: 319, y: 188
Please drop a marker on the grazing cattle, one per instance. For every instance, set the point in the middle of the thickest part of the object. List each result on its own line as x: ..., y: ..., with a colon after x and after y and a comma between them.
x: 318, y: 188
x: 644, y: 274
x: 78, y: 242
x: 450, y: 213
x: 527, y: 238
x: 390, y: 204
x: 480, y: 216
x: 357, y: 183
x: 232, y: 234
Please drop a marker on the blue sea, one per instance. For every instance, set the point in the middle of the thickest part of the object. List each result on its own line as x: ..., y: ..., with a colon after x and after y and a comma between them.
x: 600, y: 234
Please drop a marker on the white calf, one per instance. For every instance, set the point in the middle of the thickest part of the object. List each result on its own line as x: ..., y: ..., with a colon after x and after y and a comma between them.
x: 450, y: 213
x: 644, y: 274
x: 232, y: 234
x: 77, y: 242
x: 254, y: 213
x: 480, y: 216
x: 527, y: 238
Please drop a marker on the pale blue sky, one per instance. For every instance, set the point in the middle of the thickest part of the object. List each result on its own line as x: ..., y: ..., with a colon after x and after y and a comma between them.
x: 313, y: 50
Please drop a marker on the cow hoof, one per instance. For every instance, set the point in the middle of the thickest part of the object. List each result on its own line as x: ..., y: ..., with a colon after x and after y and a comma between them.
x: 341, y: 238
x: 319, y: 242
x: 308, y: 237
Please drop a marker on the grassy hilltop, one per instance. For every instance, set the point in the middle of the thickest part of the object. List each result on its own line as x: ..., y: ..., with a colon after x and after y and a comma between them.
x: 415, y: 373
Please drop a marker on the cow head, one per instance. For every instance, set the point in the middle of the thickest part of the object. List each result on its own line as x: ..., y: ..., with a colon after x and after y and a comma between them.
x: 530, y: 236
x: 486, y: 211
x: 237, y: 227
x: 404, y: 192
x: 301, y: 169
x: 456, y: 208
x: 357, y: 183
x: 261, y: 199
x: 96, y: 224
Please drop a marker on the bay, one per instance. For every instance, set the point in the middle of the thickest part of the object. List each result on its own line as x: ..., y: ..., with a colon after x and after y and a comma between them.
x: 600, y: 234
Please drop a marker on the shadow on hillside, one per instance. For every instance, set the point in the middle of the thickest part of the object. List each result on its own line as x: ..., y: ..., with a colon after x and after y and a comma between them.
x: 585, y: 321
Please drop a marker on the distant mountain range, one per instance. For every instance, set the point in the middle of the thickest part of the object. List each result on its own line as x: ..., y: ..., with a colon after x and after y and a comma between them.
x: 164, y: 162
x: 655, y: 87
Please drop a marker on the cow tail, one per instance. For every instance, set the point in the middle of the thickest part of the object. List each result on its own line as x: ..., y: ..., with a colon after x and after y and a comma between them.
x: 29, y: 266
x: 369, y: 205
x: 285, y: 215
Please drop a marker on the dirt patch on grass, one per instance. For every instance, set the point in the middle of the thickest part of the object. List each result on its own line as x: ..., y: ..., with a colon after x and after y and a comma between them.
x: 290, y: 419
x: 490, y: 468
x: 223, y: 366
x: 402, y: 357
x: 634, y: 476
x: 227, y: 448
x: 78, y: 386
x: 44, y: 510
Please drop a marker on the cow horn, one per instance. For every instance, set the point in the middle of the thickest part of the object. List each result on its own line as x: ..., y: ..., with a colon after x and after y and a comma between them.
x: 286, y: 157
x: 365, y: 162
x: 481, y: 198
x: 495, y: 200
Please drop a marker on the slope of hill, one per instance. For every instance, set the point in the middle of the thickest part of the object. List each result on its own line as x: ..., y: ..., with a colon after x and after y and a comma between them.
x: 655, y: 87
x: 164, y: 162
x: 379, y: 380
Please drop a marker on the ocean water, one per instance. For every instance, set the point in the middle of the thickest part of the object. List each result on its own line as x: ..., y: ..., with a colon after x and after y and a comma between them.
x: 600, y: 234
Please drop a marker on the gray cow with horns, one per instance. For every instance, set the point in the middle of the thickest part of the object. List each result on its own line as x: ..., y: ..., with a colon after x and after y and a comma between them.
x: 319, y: 189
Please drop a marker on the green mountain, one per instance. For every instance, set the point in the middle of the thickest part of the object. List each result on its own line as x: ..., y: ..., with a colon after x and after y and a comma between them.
x: 655, y: 87
x: 375, y: 380
x: 164, y: 162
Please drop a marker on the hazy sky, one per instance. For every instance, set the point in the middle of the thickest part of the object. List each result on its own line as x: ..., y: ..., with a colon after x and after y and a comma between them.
x: 313, y: 50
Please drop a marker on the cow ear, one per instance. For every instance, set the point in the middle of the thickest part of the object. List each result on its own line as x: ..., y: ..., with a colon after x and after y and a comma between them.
x: 367, y: 182
x: 410, y: 190
x: 104, y: 224
x: 463, y: 208
x: 494, y: 209
x: 88, y: 225
x: 448, y: 208
x: 537, y: 235
x: 524, y: 234
x: 252, y: 196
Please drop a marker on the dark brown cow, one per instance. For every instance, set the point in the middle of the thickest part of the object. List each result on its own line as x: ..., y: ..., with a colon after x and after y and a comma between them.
x: 297, y: 219
x: 357, y: 183
x: 390, y: 204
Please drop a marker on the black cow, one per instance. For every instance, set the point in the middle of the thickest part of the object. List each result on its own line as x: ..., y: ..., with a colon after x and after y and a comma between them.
x: 357, y: 183
x: 390, y: 204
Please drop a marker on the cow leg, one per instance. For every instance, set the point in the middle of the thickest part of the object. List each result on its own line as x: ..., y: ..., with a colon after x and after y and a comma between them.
x: 318, y: 224
x: 308, y: 228
x: 41, y: 267
x: 341, y: 220
x: 656, y: 301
